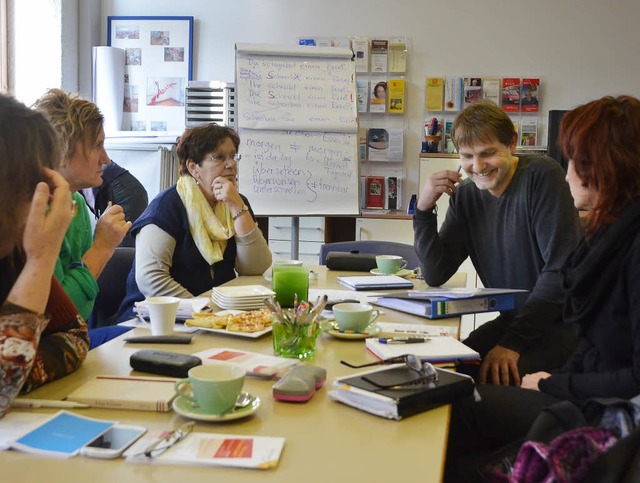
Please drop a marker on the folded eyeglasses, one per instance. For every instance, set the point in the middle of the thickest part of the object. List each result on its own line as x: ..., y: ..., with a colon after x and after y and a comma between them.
x: 426, y: 373
x: 167, y: 441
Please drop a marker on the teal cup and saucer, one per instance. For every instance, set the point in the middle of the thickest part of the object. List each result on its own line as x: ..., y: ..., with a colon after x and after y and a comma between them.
x: 390, y: 265
x: 354, y: 321
x: 213, y: 392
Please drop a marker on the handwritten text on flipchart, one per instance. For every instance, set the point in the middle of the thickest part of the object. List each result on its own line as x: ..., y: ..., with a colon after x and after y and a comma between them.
x: 296, y: 93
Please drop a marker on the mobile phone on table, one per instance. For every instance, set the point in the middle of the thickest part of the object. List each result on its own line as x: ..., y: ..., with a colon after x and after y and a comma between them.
x: 113, y: 442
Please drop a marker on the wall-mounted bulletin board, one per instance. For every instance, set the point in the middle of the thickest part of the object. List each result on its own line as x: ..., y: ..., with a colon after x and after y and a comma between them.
x: 158, y: 66
x: 297, y: 122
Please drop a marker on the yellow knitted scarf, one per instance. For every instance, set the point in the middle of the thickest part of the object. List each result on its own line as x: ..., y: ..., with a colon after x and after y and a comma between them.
x: 209, y: 227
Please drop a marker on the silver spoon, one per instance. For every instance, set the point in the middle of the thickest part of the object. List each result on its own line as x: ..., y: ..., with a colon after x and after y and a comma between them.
x: 244, y: 399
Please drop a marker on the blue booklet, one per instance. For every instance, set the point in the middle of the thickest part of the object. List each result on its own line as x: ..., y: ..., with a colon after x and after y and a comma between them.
x: 62, y: 435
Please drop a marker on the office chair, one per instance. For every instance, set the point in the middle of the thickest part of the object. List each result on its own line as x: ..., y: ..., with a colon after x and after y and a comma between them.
x: 112, y: 285
x: 374, y: 247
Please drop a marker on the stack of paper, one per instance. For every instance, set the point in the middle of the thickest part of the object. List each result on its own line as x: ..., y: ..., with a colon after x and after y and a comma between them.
x: 403, y: 399
x: 375, y: 282
x: 442, y: 348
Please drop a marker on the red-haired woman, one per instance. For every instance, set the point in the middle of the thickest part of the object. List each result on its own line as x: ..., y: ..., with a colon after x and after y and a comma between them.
x: 601, y: 140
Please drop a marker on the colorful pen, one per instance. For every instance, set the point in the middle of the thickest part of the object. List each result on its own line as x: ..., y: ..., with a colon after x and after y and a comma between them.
x: 459, y: 168
x: 46, y: 403
x: 408, y: 340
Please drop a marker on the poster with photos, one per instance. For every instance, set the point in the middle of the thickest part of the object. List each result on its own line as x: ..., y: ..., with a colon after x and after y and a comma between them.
x: 158, y: 66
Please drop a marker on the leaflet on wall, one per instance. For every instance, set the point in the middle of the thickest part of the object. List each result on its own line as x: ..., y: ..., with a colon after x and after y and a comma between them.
x: 385, y: 144
x: 434, y: 93
x: 396, y: 96
x: 452, y: 93
x: 379, y: 52
x: 511, y: 94
x: 393, y: 193
x: 529, y: 132
x: 491, y: 89
x: 362, y: 88
x: 360, y: 47
x: 375, y: 192
x: 378, y: 95
x: 397, y: 57
x: 530, y: 95
x: 472, y: 90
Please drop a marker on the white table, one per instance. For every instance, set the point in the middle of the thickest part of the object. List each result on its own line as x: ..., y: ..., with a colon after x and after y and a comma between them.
x: 325, y: 440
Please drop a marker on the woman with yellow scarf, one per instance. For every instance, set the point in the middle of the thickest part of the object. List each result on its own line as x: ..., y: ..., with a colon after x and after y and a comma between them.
x: 200, y: 232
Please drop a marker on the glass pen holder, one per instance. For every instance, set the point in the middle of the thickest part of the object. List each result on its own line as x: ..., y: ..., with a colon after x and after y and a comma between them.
x: 295, y: 332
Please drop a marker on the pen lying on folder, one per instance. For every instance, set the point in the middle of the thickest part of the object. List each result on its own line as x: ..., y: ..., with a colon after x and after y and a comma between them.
x: 46, y: 403
x: 407, y: 340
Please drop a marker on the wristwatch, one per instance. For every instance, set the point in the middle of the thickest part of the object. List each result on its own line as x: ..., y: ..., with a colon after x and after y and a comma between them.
x: 244, y: 209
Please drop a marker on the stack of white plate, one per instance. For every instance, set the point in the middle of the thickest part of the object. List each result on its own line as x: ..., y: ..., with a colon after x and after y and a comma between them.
x: 242, y: 297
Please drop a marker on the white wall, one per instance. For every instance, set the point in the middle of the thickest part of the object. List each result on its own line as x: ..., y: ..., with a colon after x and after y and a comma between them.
x: 581, y: 49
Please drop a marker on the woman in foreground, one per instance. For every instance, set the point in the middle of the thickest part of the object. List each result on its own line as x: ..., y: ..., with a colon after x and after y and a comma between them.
x: 41, y: 336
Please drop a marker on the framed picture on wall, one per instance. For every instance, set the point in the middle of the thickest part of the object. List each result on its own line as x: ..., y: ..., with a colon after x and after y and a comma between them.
x: 158, y: 65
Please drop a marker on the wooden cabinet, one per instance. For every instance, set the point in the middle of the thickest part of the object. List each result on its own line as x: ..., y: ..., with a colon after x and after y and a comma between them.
x: 385, y: 229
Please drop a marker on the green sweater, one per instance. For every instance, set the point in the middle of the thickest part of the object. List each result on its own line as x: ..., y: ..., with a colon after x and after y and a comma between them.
x: 76, y: 279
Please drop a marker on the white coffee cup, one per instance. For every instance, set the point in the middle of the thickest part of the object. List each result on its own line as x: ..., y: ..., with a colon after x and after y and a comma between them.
x: 162, y: 314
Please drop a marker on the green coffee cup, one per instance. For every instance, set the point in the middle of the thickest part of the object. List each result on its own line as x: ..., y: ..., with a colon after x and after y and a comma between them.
x: 354, y: 316
x: 390, y: 264
x: 213, y: 387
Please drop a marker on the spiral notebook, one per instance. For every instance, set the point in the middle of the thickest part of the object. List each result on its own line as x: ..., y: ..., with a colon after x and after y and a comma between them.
x: 375, y: 282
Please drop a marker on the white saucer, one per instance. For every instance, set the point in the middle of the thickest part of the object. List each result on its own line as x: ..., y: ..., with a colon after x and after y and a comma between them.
x: 400, y: 273
x: 372, y: 330
x: 185, y: 408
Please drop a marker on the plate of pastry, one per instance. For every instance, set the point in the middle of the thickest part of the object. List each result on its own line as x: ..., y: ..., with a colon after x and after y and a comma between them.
x: 251, y: 324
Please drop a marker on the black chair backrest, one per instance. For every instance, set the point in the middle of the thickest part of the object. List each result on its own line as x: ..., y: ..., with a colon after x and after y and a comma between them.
x: 376, y: 247
x: 112, y: 284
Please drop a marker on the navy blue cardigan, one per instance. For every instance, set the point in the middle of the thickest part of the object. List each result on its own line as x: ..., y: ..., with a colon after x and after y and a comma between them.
x: 189, y: 268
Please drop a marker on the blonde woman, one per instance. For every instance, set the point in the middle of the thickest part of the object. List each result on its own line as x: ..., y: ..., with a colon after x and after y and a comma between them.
x: 79, y: 126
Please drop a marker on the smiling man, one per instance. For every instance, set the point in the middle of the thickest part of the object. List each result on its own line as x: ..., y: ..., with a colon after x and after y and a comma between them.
x: 515, y: 218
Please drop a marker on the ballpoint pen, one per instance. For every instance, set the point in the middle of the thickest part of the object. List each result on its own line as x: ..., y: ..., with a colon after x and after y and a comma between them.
x: 46, y: 403
x: 407, y: 340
